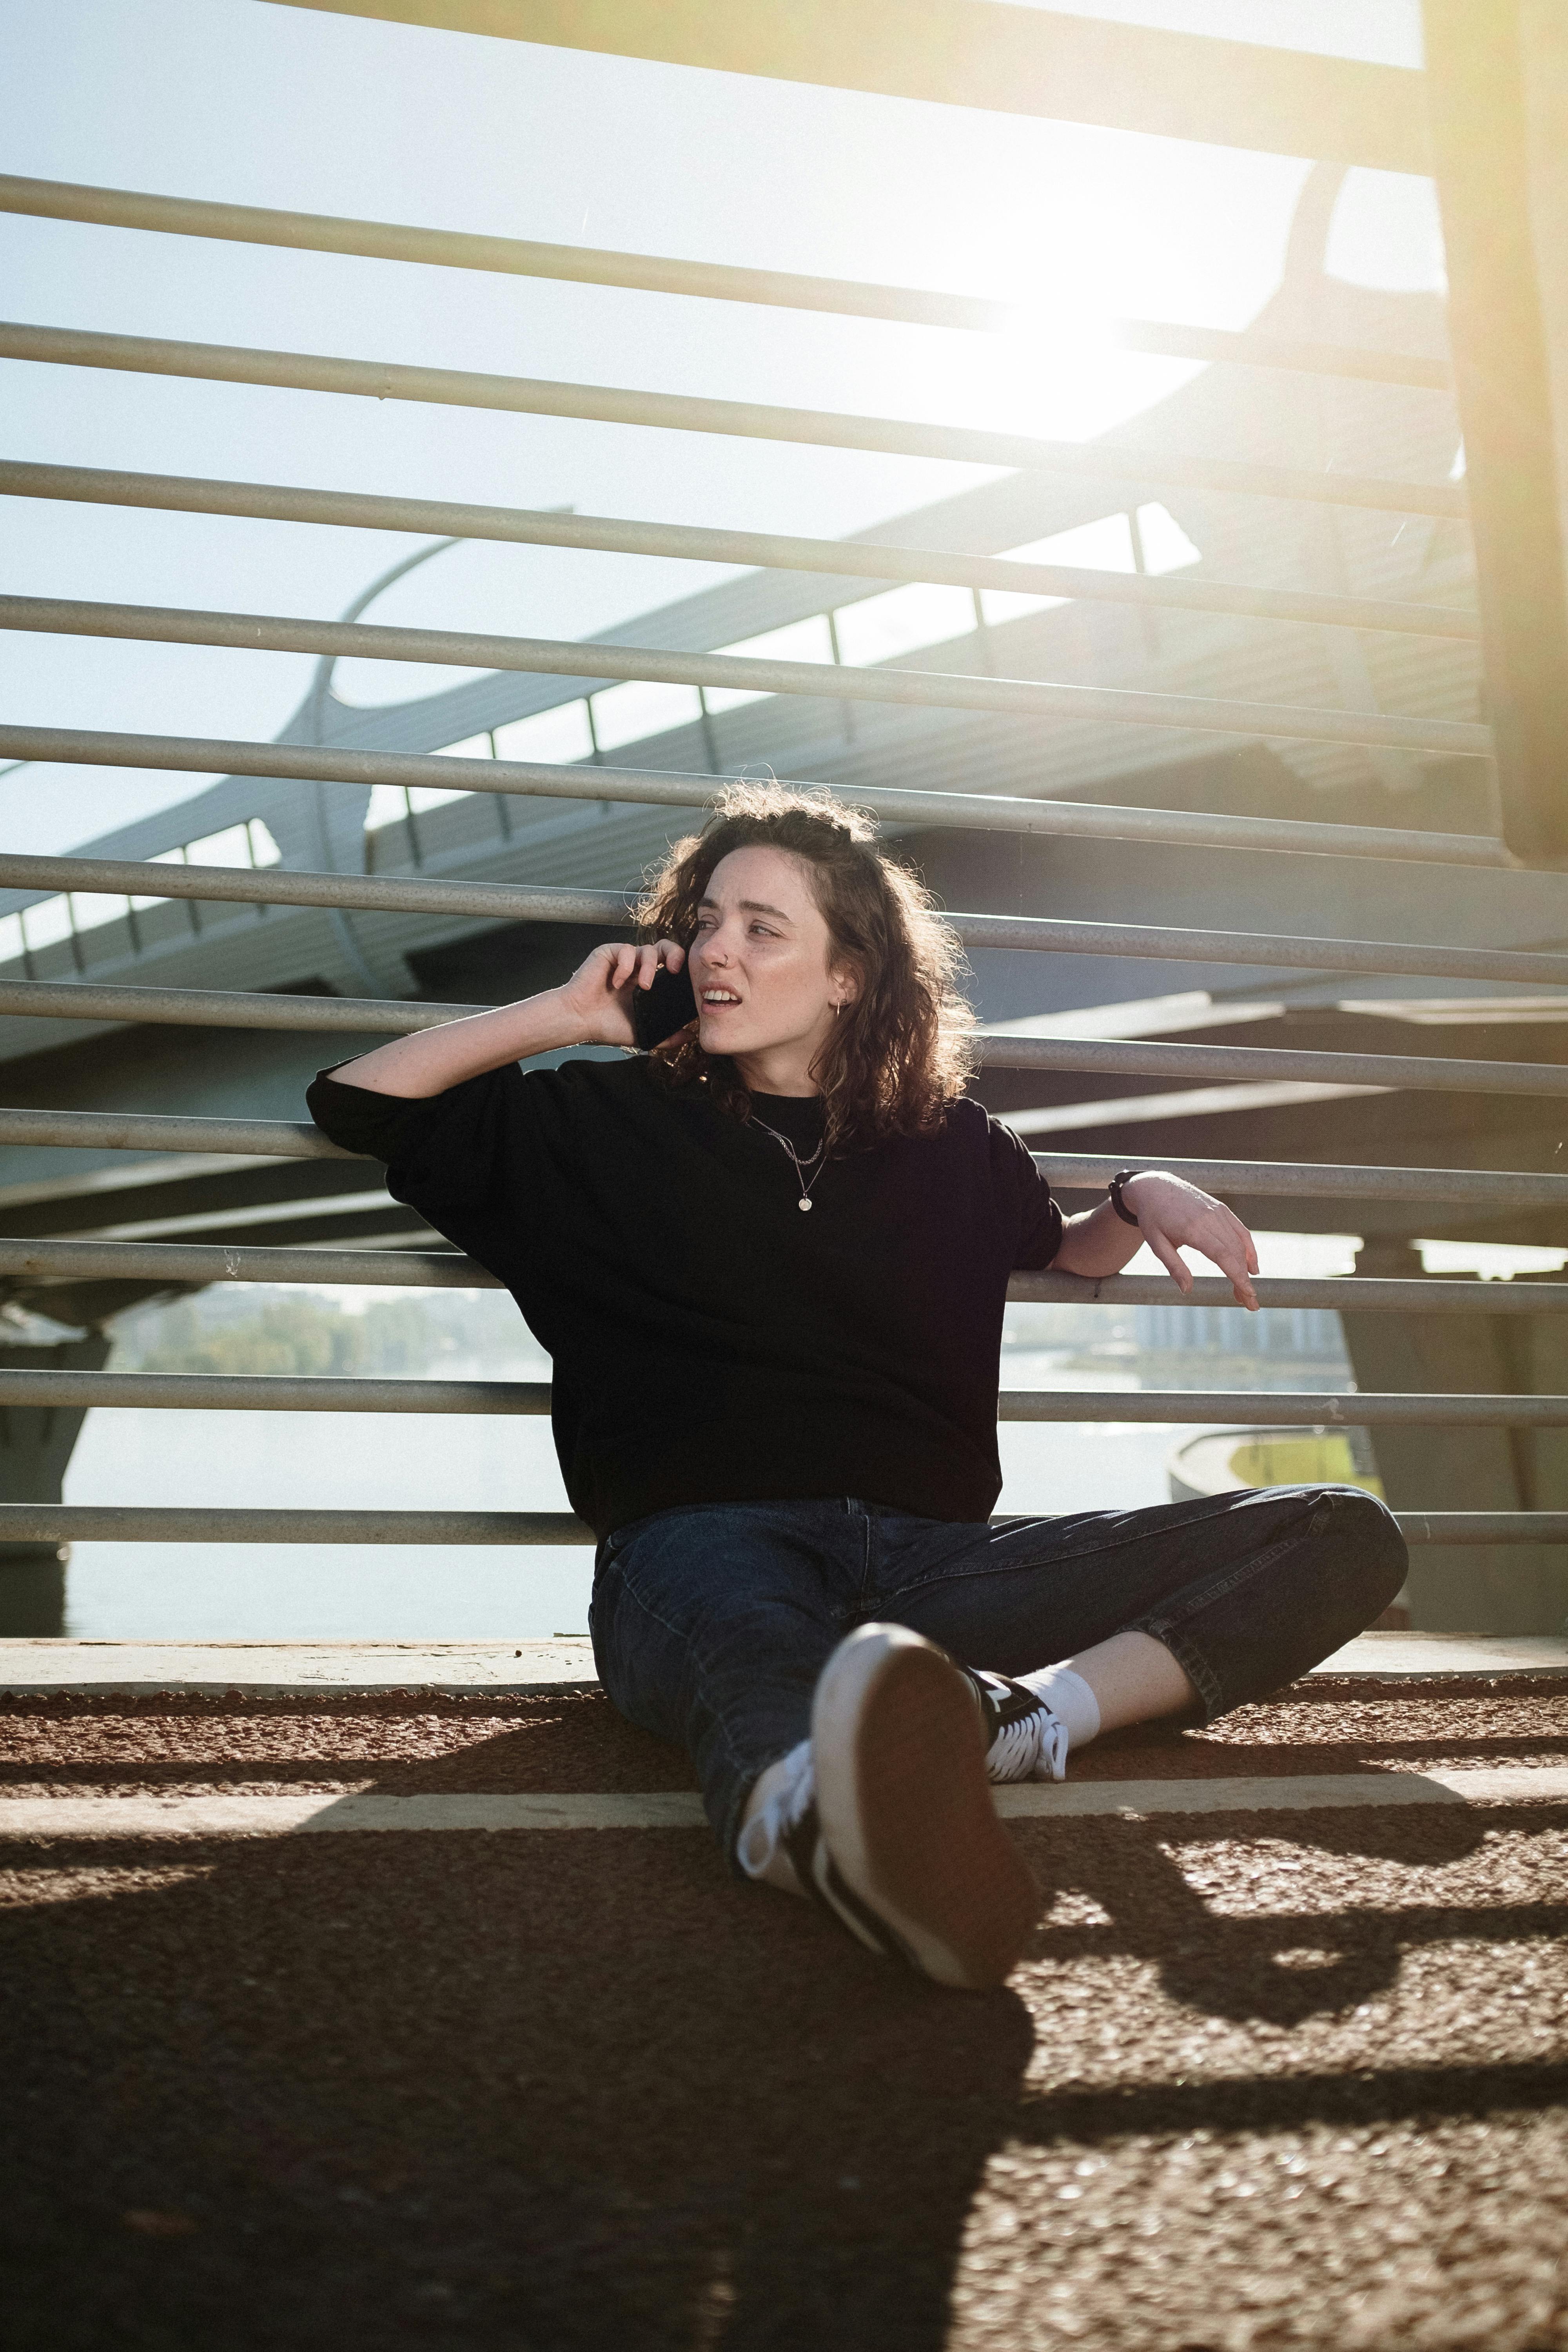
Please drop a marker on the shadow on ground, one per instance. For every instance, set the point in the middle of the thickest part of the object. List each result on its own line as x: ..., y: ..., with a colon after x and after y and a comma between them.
x: 547, y: 2092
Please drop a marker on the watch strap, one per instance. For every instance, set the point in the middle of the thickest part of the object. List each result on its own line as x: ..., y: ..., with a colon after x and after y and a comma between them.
x: 1123, y: 1176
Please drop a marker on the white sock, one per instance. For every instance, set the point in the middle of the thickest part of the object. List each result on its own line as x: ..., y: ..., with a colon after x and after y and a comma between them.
x: 778, y: 1797
x: 1069, y: 1698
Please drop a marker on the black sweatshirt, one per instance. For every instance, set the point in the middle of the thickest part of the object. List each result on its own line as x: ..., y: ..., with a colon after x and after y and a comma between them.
x: 711, y: 1343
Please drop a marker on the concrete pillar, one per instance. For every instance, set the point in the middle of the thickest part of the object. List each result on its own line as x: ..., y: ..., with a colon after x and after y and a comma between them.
x: 1496, y: 87
x: 1479, y: 1587
x: 35, y: 1442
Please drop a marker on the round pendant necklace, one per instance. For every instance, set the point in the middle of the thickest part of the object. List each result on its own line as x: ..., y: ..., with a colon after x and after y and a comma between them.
x: 814, y: 1160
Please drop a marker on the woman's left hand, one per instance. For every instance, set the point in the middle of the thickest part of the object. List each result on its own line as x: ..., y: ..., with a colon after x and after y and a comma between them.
x: 1174, y: 1214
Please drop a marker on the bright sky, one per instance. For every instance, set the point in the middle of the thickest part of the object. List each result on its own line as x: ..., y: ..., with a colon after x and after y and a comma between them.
x: 258, y: 104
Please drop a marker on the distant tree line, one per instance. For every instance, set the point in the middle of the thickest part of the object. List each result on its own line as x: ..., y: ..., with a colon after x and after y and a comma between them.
x: 226, y: 1331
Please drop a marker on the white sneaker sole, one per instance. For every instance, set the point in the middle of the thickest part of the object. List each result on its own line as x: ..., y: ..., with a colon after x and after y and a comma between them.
x: 907, y: 1811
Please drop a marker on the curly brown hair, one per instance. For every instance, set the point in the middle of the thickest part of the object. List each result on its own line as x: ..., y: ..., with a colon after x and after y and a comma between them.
x: 903, y: 1050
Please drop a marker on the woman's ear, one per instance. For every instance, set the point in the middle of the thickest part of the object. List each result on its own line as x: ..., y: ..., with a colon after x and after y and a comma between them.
x: 844, y: 983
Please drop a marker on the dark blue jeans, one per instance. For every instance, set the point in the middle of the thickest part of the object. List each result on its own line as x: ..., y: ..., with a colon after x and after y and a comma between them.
x: 710, y: 1625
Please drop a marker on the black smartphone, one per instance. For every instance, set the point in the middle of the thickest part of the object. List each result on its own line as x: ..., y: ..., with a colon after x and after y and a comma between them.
x: 660, y: 1011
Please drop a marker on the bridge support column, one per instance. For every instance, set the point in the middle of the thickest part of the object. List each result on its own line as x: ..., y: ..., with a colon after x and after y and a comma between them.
x: 35, y: 1443
x: 1471, y: 1587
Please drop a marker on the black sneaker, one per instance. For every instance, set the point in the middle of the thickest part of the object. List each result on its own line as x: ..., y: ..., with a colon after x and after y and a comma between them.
x: 1028, y: 1742
x: 901, y: 1843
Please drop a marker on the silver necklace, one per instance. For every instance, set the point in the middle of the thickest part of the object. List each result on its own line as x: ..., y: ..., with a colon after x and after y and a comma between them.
x: 814, y: 1160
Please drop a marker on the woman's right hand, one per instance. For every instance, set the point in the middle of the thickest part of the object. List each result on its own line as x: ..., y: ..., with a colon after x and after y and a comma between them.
x: 599, y: 994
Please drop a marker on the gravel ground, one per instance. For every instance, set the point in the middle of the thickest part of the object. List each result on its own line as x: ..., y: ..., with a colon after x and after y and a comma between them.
x: 1303, y: 2084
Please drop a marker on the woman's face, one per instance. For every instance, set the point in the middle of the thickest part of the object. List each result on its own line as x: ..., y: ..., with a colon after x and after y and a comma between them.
x: 760, y: 962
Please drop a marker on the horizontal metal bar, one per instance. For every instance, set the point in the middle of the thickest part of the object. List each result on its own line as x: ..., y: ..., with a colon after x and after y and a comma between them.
x: 612, y: 909
x: 1345, y: 1294
x: 94, y: 1131
x: 224, y: 1008
x: 1470, y: 1187
x: 748, y: 420
x: 269, y: 1392
x: 653, y: 274
x: 1124, y: 76
x: 1271, y: 1408
x: 52, y: 1523
x: 1432, y: 1073
x: 369, y: 893
x: 58, y: 1523
x: 205, y: 1261
x: 571, y: 657
x: 391, y: 1016
x: 659, y: 788
x: 282, y: 1393
x: 1483, y: 1527
x: 1069, y: 1172
x: 443, y: 519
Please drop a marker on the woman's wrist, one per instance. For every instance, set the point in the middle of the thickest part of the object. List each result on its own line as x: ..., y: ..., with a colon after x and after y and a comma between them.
x: 1117, y: 1193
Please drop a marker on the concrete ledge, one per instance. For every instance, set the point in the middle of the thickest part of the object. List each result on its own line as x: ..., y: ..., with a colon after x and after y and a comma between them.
x: 305, y: 1669
x: 290, y: 1669
x: 269, y: 1815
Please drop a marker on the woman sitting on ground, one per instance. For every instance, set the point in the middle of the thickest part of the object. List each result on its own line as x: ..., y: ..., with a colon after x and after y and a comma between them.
x: 769, y: 1255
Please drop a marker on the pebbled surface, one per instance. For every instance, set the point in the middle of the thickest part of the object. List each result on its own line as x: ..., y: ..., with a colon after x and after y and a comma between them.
x: 1301, y: 2087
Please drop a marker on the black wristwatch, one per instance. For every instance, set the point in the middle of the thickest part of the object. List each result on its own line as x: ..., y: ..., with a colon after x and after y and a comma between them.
x: 1123, y: 1176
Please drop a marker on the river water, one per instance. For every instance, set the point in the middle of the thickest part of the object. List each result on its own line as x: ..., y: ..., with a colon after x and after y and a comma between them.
x: 407, y: 1462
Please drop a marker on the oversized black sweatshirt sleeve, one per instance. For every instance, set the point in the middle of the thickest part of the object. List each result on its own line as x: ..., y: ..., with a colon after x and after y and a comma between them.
x: 711, y: 1343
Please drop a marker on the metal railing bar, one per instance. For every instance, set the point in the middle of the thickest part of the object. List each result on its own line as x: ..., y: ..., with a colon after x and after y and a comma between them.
x: 1432, y: 1072
x: 484, y: 901
x: 656, y: 274
x: 269, y: 1392
x: 52, y: 1523
x: 1347, y: 1294
x: 832, y: 681
x: 442, y: 519
x: 165, y: 1133
x: 1294, y: 1180
x: 206, y: 1262
x: 1483, y: 1527
x: 221, y: 1008
x: 362, y: 893
x: 391, y: 1016
x: 285, y: 1392
x: 661, y: 788
x: 746, y: 420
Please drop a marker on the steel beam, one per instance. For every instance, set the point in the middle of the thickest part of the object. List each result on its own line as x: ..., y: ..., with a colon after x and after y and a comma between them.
x: 224, y: 1008
x: 824, y: 681
x: 1469, y: 1188
x: 660, y: 788
x: 1033, y: 61
x: 853, y: 559
x: 58, y: 1523
x: 1502, y: 259
x: 203, y: 1262
x: 1185, y: 1064
x: 750, y: 420
x: 1047, y: 934
x: 1070, y: 1171
x: 655, y: 274
x: 390, y: 1016
x: 283, y: 1392
x: 55, y: 1523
